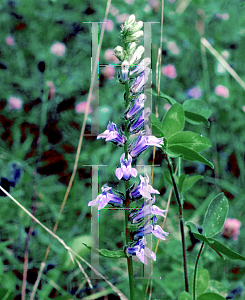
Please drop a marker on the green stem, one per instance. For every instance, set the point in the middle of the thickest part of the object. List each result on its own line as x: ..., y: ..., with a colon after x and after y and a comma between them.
x: 181, y: 220
x: 195, y: 272
x: 127, y: 209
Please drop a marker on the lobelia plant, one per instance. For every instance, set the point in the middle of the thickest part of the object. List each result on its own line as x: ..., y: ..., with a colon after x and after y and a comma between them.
x: 134, y: 137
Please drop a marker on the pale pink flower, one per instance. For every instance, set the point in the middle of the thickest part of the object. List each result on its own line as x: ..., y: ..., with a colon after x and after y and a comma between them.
x: 122, y: 18
x: 222, y: 91
x: 9, y: 40
x: 51, y: 89
x: 225, y: 16
x: 15, y: 103
x: 109, y: 72
x: 81, y: 107
x: 169, y: 71
x: 173, y: 48
x: 109, y: 25
x: 167, y: 106
x: 110, y: 56
x: 195, y: 92
x: 231, y: 228
x: 58, y: 49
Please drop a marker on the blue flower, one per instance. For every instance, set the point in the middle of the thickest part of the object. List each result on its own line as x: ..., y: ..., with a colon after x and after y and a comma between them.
x: 139, y: 123
x: 112, y: 134
x: 138, y: 83
x: 143, y: 189
x: 148, y: 229
x: 138, y: 105
x: 106, y: 197
x: 141, y: 251
x: 126, y: 171
x: 143, y: 142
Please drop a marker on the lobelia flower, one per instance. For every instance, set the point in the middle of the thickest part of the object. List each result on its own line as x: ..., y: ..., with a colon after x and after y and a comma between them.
x: 143, y: 142
x: 112, y: 134
x: 148, y: 229
x: 141, y: 251
x: 143, y: 189
x: 138, y: 105
x: 124, y: 70
x: 138, y: 83
x: 106, y: 197
x: 141, y: 66
x: 126, y: 171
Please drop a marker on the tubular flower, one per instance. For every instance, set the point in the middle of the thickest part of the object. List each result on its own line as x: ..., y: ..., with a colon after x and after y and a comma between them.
x: 138, y: 83
x: 143, y: 189
x: 106, y: 197
x: 148, y: 229
x: 138, y: 105
x: 141, y: 251
x: 143, y: 142
x: 141, y: 66
x: 139, y: 123
x: 112, y: 134
x: 126, y: 171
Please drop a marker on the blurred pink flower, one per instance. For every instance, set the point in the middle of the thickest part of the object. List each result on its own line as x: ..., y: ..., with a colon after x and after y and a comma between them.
x: 173, y: 48
x: 81, y: 107
x: 169, y: 71
x: 15, y: 103
x: 195, y: 92
x: 110, y: 56
x: 58, y: 49
x: 222, y: 91
x: 9, y: 40
x: 109, y: 72
x: 225, y: 16
x: 51, y: 89
x: 231, y: 228
x: 109, y: 25
x: 167, y: 106
x: 122, y: 18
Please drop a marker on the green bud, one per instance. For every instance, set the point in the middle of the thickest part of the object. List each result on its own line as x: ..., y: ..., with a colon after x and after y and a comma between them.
x: 119, y: 53
x: 130, y: 21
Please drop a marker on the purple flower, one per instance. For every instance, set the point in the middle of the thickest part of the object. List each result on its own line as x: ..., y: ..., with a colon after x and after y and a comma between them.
x: 141, y: 251
x: 138, y: 83
x: 143, y: 142
x: 106, y: 197
x: 143, y: 189
x: 138, y: 105
x: 126, y: 171
x: 112, y: 134
x: 148, y: 229
x: 141, y: 66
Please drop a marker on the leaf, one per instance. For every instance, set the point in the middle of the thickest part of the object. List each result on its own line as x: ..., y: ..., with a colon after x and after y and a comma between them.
x: 169, y: 99
x: 218, y: 246
x: 156, y: 131
x: 194, y: 230
x: 190, y: 181
x: 198, y: 107
x: 196, y: 119
x: 202, y: 281
x: 155, y: 121
x: 191, y: 140
x: 210, y: 296
x: 189, y: 154
x: 217, y: 287
x: 185, y: 296
x: 107, y: 253
x: 215, y: 216
x: 181, y: 181
x: 173, y: 121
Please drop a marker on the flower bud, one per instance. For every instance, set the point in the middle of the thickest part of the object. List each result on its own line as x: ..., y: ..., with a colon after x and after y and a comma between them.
x: 137, y: 55
x: 124, y: 70
x: 137, y: 26
x: 130, y: 21
x: 119, y: 52
x: 135, y: 36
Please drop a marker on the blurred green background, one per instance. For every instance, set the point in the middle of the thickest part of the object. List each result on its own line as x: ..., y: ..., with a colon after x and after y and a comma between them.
x: 45, y: 72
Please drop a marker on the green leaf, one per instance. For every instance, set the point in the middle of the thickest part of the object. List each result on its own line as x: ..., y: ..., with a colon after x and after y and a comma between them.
x: 156, y: 131
x: 4, y: 244
x: 170, y: 100
x: 181, y: 181
x: 155, y: 121
x: 219, y: 247
x: 196, y: 119
x: 191, y: 140
x: 185, y: 296
x: 202, y: 281
x: 215, y: 216
x: 194, y: 230
x: 190, y: 181
x: 173, y: 121
x: 107, y: 253
x: 217, y: 287
x: 167, y: 176
x: 210, y: 296
x: 189, y: 154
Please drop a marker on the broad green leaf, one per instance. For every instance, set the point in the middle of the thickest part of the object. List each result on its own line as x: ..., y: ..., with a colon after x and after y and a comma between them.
x: 4, y: 244
x: 217, y: 287
x: 190, y: 181
x: 170, y: 100
x: 173, y: 121
x: 196, y: 119
x: 185, y: 296
x: 156, y: 131
x: 197, y: 106
x: 107, y: 253
x: 6, y: 294
x: 191, y: 140
x: 202, y: 281
x: 194, y: 230
x: 210, y: 296
x: 189, y: 154
x: 181, y: 181
x: 155, y: 121
x: 219, y: 247
x: 215, y: 216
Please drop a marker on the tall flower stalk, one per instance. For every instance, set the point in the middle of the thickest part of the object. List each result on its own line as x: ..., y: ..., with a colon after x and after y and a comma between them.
x: 132, y: 136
